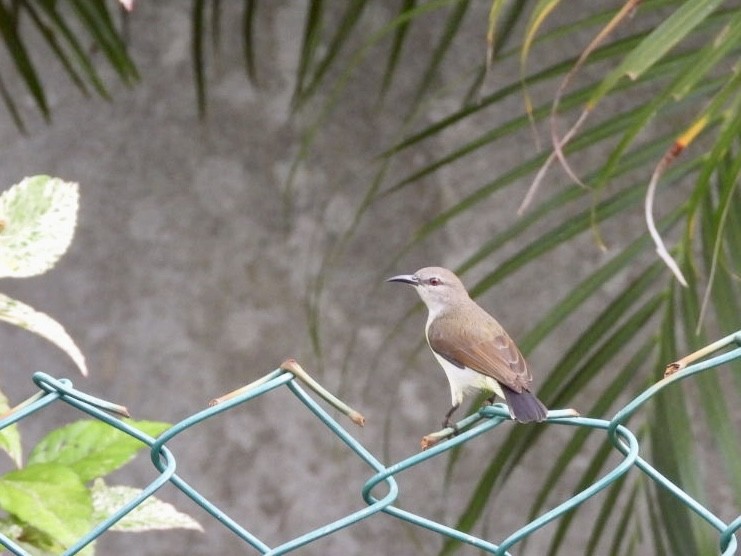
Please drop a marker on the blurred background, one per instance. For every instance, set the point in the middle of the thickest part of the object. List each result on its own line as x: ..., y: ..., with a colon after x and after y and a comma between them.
x: 248, y: 186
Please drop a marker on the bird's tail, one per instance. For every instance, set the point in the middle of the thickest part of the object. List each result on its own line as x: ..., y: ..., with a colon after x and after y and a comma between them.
x: 524, y: 406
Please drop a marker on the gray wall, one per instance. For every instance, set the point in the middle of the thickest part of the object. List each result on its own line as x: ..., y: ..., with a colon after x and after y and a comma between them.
x: 191, y: 268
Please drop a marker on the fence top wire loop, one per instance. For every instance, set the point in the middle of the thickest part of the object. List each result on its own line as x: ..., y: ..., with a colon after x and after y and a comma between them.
x: 623, y: 440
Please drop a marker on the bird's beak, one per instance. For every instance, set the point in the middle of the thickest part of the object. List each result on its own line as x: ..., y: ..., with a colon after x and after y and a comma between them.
x: 405, y: 278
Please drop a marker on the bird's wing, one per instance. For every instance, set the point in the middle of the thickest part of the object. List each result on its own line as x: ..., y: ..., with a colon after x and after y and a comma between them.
x: 486, y: 349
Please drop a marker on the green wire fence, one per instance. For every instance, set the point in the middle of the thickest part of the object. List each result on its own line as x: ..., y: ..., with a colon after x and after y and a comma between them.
x: 487, y: 418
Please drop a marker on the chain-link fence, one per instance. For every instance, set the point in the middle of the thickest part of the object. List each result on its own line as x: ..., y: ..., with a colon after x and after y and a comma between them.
x: 291, y: 376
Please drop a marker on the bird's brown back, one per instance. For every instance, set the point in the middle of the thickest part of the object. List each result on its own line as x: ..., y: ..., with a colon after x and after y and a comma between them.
x: 470, y: 337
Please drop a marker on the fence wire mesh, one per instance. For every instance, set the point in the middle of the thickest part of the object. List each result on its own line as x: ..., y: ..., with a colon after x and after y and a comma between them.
x: 291, y: 376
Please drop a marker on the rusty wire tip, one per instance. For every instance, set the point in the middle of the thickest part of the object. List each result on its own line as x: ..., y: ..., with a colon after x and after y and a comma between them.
x: 233, y: 394
x: 225, y: 397
x: 290, y: 364
x: 429, y: 441
x: 357, y: 418
x: 111, y: 407
x: 672, y: 368
x: 11, y: 410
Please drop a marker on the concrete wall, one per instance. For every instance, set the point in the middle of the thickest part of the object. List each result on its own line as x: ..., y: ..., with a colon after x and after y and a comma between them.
x: 191, y: 268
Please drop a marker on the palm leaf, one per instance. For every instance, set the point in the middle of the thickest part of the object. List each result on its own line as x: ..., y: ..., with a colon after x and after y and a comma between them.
x: 198, y: 24
x: 248, y: 30
x: 21, y: 59
x: 396, y: 47
x: 665, y: 37
x: 685, y: 78
x: 350, y: 18
x: 452, y: 25
x: 65, y: 46
x: 669, y: 419
x: 96, y: 18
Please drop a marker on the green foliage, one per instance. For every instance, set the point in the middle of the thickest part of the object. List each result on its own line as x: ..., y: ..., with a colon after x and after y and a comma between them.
x: 39, y: 216
x: 49, y: 501
x: 150, y: 515
x: 50, y: 498
x: 679, y: 59
x: 37, y: 222
x: 683, y: 67
x: 10, y: 438
x: 91, y: 449
x: 68, y: 29
x: 59, y: 495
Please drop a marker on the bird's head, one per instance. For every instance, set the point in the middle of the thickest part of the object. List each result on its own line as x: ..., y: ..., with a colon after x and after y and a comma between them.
x: 438, y: 287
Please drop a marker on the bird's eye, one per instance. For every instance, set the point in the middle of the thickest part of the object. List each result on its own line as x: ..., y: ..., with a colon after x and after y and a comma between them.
x: 435, y: 281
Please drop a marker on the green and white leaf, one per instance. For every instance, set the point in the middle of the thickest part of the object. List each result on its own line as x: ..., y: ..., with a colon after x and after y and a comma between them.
x: 10, y: 529
x: 10, y: 436
x: 20, y: 314
x: 150, y: 515
x: 37, y: 221
x: 92, y: 449
x: 49, y: 497
x: 35, y: 542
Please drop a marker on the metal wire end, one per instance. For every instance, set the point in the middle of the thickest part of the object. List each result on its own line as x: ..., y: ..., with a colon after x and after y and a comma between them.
x: 429, y: 440
x: 234, y: 393
x: 37, y: 396
x: 102, y: 404
x: 701, y: 353
x: 111, y: 407
x: 292, y: 366
x: 63, y: 387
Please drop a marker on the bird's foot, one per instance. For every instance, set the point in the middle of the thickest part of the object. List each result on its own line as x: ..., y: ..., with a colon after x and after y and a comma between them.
x: 489, y: 401
x: 448, y: 424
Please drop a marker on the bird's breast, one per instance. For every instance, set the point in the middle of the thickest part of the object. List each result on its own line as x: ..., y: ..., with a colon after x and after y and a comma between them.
x: 464, y: 381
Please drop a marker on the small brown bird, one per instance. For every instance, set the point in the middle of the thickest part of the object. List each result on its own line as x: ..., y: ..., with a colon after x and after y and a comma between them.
x: 472, y: 347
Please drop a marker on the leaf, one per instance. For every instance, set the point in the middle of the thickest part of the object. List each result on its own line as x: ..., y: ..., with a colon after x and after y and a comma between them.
x: 690, y: 70
x: 150, y: 515
x: 248, y: 32
x: 19, y: 54
x: 37, y: 221
x: 672, y: 446
x: 32, y: 540
x: 92, y: 449
x: 10, y: 529
x: 453, y: 23
x: 574, y: 448
x: 96, y: 19
x: 10, y: 436
x: 20, y: 314
x: 350, y: 18
x: 49, y: 497
x: 54, y: 27
x: 672, y: 30
x: 197, y: 50
x: 396, y: 47
x: 309, y: 43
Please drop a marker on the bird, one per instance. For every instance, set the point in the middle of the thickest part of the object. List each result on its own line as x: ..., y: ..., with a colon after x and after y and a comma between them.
x: 473, y: 349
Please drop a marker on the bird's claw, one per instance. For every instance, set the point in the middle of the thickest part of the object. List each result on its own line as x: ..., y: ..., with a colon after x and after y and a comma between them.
x: 443, y: 434
x: 447, y: 424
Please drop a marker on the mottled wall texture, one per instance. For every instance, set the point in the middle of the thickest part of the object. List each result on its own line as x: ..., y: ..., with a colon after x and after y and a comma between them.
x: 193, y: 266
